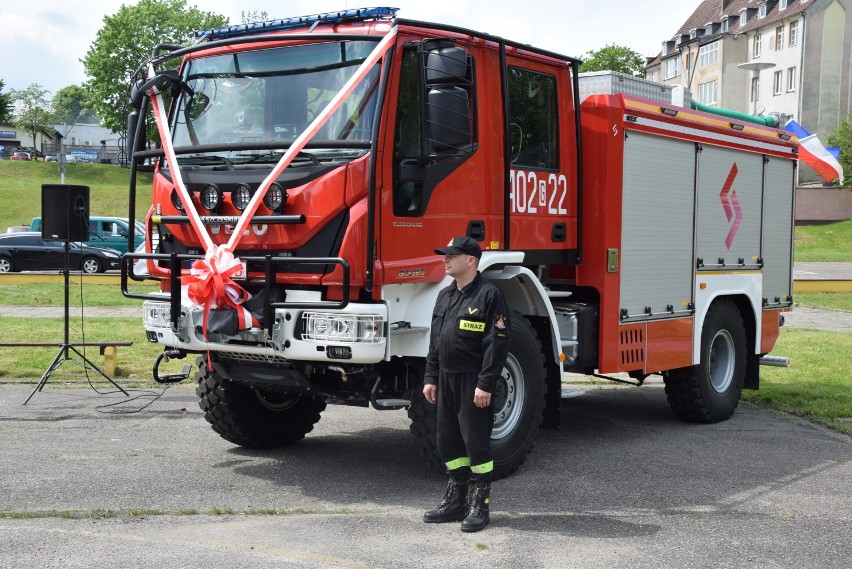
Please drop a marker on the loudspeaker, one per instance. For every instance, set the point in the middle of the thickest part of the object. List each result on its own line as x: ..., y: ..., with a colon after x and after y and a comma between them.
x: 64, y: 212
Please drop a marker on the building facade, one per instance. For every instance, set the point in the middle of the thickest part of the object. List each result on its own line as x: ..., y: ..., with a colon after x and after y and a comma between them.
x: 792, y: 57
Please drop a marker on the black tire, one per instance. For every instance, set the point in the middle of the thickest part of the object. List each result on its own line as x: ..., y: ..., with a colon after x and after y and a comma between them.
x: 710, y: 391
x: 6, y: 264
x: 91, y: 265
x: 250, y: 418
x: 518, y: 405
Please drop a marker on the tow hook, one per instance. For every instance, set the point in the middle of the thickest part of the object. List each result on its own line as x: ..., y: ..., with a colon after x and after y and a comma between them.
x: 171, y: 377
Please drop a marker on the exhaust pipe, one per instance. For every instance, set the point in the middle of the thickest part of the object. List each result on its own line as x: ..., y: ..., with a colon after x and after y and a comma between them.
x: 775, y: 361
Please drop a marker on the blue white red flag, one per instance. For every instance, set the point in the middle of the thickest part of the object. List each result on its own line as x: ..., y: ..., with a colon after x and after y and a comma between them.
x: 813, y: 153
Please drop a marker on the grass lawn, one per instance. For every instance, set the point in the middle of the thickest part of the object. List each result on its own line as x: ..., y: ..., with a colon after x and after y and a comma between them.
x: 824, y: 242
x: 20, y: 189
x: 134, y: 363
x: 53, y: 294
x: 831, y: 300
x: 818, y: 385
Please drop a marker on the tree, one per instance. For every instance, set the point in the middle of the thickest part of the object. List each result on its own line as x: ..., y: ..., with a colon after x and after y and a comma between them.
x: 70, y: 105
x: 127, y: 40
x: 842, y: 137
x: 613, y: 58
x: 5, y: 104
x: 33, y: 112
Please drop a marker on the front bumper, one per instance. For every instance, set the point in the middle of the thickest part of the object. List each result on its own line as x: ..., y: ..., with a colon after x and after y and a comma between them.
x: 288, y: 338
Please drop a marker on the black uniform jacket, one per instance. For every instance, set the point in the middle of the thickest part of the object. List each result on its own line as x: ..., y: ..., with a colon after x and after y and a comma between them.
x: 470, y: 333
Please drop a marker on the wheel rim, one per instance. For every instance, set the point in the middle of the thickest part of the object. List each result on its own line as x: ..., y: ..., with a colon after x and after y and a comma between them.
x: 90, y: 266
x: 508, y: 399
x: 5, y: 266
x: 722, y: 359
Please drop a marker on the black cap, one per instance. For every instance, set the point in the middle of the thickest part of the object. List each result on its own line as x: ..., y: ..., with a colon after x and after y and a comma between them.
x: 461, y: 246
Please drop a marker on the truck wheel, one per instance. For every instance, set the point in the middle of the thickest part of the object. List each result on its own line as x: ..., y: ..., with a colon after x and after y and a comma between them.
x: 250, y: 418
x: 710, y: 391
x: 518, y: 401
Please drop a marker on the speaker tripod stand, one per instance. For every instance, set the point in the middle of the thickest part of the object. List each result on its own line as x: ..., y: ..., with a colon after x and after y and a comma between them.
x: 66, y: 346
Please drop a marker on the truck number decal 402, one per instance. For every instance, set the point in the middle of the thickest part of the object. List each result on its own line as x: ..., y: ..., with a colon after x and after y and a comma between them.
x: 542, y: 193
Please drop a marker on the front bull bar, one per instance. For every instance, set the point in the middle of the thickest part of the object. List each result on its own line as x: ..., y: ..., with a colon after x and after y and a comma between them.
x: 271, y: 271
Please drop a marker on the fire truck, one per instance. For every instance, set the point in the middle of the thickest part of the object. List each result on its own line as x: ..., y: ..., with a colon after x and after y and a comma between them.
x: 307, y: 169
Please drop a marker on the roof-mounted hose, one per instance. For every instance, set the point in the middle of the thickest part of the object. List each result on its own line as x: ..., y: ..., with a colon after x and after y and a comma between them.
x: 772, y: 119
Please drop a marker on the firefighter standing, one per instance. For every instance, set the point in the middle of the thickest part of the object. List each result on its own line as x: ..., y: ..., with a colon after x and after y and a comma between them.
x: 467, y: 351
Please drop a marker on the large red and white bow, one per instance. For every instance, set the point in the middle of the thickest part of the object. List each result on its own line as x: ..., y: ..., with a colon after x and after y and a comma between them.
x: 210, y: 285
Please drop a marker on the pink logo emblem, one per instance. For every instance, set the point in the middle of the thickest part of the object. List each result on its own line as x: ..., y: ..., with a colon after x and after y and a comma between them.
x: 731, y: 205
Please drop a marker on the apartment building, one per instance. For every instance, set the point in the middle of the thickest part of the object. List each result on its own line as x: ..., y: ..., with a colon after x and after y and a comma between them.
x: 792, y: 57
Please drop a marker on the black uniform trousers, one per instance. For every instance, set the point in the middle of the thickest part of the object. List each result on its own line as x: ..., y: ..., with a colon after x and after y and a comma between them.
x: 464, y: 430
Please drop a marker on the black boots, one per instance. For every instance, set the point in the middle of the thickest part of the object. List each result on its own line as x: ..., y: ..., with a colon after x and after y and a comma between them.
x: 478, y: 498
x: 452, y: 509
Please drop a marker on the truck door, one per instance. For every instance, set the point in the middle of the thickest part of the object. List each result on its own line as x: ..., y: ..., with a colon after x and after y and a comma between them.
x: 543, y: 208
x: 436, y: 181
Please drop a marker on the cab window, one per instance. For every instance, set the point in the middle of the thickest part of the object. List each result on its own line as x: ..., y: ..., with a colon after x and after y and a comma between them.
x: 533, y: 119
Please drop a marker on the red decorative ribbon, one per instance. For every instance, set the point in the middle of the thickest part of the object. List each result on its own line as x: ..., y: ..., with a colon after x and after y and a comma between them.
x: 210, y: 286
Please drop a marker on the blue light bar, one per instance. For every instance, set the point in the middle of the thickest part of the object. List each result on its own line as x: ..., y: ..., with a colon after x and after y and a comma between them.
x: 354, y: 15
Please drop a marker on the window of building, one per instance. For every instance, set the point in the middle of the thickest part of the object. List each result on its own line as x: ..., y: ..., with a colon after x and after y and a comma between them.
x: 755, y: 89
x: 794, y: 34
x: 777, y: 82
x: 534, y: 118
x: 726, y: 24
x: 743, y: 17
x: 708, y: 54
x: 782, y: 5
x: 779, y: 38
x: 671, y: 67
x: 707, y: 93
x: 791, y: 79
x: 758, y: 42
x: 761, y: 12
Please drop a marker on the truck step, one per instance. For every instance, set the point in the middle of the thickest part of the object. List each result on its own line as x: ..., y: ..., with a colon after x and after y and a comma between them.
x: 398, y: 330
x: 558, y: 293
x: 391, y: 403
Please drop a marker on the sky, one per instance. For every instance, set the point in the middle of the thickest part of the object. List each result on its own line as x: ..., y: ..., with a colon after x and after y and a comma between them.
x: 46, y: 39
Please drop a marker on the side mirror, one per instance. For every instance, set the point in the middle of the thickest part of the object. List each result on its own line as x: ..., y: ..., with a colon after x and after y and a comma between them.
x: 449, y: 117
x: 448, y: 121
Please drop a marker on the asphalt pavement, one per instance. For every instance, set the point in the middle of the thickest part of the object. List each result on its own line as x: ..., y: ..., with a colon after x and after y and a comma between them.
x: 98, y: 480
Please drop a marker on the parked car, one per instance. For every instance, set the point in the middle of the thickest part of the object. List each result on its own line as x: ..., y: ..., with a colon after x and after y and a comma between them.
x: 21, y: 156
x: 34, y: 153
x: 109, y: 232
x: 51, y: 158
x: 29, y: 252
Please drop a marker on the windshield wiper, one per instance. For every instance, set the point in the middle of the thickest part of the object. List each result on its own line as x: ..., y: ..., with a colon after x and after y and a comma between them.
x: 276, y: 156
x: 205, y: 160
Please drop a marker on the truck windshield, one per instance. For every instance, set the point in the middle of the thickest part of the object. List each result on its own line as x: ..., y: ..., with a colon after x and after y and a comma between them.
x: 272, y: 95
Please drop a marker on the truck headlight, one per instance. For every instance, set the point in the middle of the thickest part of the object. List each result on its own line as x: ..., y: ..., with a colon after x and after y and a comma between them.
x: 276, y: 197
x: 156, y: 314
x: 346, y: 328
x: 241, y: 196
x: 211, y: 197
